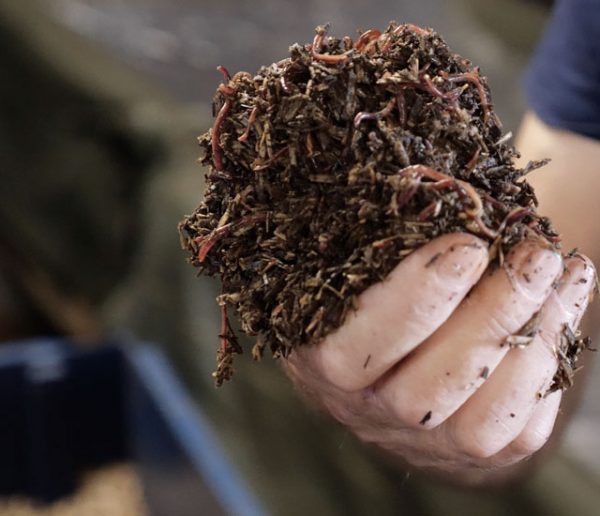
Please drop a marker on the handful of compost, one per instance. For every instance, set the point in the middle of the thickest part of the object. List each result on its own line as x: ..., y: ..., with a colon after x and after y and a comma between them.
x: 328, y: 168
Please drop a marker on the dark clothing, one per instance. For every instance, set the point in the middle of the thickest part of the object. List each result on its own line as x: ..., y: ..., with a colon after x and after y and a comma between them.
x: 563, y: 82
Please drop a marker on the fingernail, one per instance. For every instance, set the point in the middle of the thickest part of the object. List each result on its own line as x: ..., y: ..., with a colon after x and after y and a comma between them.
x: 535, y: 268
x: 462, y: 260
x: 577, y: 282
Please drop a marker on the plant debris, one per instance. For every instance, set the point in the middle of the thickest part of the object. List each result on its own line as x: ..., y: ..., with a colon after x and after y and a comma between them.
x: 526, y: 334
x: 571, y: 346
x: 426, y: 418
x: 329, y: 167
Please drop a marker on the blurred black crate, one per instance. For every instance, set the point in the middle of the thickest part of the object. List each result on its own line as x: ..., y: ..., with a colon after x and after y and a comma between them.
x: 64, y: 410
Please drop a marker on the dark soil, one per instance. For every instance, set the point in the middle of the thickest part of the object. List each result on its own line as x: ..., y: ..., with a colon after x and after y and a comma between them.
x: 328, y: 168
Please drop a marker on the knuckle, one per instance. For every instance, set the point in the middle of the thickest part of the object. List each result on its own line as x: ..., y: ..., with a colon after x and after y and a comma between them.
x: 370, y: 435
x: 333, y: 366
x: 478, y: 447
x: 531, y: 441
x: 533, y: 437
x: 408, y: 410
x: 341, y: 412
x: 501, y: 323
x: 480, y: 441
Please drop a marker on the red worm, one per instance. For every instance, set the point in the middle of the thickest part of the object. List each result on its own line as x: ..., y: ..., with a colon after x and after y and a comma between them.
x: 225, y: 73
x: 444, y: 180
x: 217, y: 152
x: 473, y: 161
x: 363, y: 115
x: 366, y: 38
x: 210, y: 240
x: 251, y: 120
x: 428, y: 210
x: 410, y: 26
x: 207, y: 242
x: 326, y: 58
x: 473, y: 78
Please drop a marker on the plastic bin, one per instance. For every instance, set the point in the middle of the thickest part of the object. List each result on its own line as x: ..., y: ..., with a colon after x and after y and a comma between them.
x: 64, y: 410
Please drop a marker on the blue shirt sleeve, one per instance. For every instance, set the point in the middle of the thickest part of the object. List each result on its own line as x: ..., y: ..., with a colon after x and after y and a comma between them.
x: 563, y: 80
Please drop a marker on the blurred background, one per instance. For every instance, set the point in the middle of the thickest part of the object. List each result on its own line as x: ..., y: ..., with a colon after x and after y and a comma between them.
x: 101, y: 102
x: 178, y: 43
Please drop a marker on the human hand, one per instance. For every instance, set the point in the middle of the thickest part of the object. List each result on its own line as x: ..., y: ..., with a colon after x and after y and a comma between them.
x: 422, y: 368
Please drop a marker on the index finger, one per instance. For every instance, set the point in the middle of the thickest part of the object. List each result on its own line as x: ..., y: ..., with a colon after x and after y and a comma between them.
x: 396, y: 315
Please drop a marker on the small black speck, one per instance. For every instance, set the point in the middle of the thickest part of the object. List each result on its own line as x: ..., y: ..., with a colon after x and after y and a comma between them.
x: 366, y: 362
x: 447, y: 373
x: 485, y: 372
x: 433, y: 259
x: 527, y: 277
x: 426, y: 418
x: 512, y: 414
x: 582, y: 280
